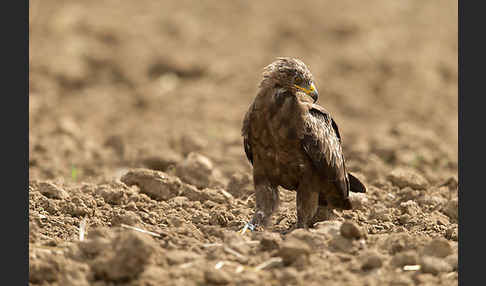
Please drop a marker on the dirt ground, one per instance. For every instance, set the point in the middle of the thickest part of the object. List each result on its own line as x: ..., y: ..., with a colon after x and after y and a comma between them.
x: 135, y: 112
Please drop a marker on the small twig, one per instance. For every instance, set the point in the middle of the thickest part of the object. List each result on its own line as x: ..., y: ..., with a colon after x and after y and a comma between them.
x: 212, y: 244
x: 411, y: 267
x: 186, y: 265
x: 251, y: 242
x: 82, y: 229
x: 140, y: 230
x: 219, y: 265
x: 225, y: 194
x: 269, y: 263
x: 239, y: 269
x: 231, y: 251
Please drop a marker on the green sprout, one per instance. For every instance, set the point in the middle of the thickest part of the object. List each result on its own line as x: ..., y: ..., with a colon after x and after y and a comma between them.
x: 74, y: 173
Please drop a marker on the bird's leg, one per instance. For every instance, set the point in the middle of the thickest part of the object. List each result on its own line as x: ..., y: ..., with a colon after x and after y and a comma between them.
x: 307, y: 203
x: 324, y: 210
x: 266, y: 202
x: 323, y: 213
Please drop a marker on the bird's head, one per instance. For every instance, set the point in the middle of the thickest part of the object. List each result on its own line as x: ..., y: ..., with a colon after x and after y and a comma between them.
x: 290, y: 74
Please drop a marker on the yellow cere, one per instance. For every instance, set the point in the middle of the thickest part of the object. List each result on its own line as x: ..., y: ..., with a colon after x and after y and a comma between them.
x: 306, y: 90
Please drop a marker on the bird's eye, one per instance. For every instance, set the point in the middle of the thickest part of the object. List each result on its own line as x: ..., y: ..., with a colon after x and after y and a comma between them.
x: 298, y: 81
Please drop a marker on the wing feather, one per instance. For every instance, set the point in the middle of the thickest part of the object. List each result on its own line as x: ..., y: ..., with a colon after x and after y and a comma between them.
x: 322, y: 143
x: 245, y: 132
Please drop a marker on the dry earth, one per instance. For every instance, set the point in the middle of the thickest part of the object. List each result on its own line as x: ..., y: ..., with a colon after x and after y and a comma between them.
x: 135, y: 110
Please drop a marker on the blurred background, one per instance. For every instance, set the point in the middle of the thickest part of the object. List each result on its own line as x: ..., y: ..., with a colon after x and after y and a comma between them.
x: 119, y: 84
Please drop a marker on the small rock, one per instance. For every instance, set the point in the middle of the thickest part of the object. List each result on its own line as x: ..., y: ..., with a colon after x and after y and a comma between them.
x: 270, y: 241
x: 358, y: 201
x: 398, y: 242
x: 404, y: 218
x: 52, y: 191
x: 382, y: 214
x: 111, y: 196
x: 453, y: 261
x: 438, y: 247
x: 131, y: 253
x: 220, y: 217
x: 351, y: 230
x: 329, y: 228
x: 312, y: 239
x: 179, y: 201
x: 162, y: 162
x: 408, y: 178
x: 434, y: 265
x: 128, y: 218
x: 93, y: 245
x: 431, y: 201
x: 175, y: 257
x: 196, y: 170
x: 440, y: 218
x: 452, y: 232
x: 240, y: 185
x: 157, y: 185
x: 216, y: 276
x: 292, y: 250
x: 401, y: 259
x: 401, y: 281
x: 341, y: 244
x: 421, y: 278
x: 451, y: 183
x: 371, y: 260
x: 410, y: 207
x: 131, y: 206
x: 206, y: 195
x: 153, y: 275
x: 408, y: 194
x: 175, y: 221
x: 290, y: 276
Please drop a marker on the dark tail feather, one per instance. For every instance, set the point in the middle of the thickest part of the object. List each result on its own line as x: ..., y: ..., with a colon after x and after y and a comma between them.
x: 355, y: 184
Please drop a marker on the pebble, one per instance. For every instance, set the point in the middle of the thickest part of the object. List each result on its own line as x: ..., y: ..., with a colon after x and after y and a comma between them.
x: 434, y: 265
x: 351, y: 230
x: 453, y: 261
x: 292, y: 249
x: 129, y: 255
x: 270, y: 241
x: 401, y: 259
x: 358, y: 201
x: 240, y: 185
x: 216, y: 276
x: 410, y: 207
x: 196, y: 170
x: 157, y: 185
x: 52, y: 191
x: 438, y: 247
x: 407, y: 178
x: 371, y: 260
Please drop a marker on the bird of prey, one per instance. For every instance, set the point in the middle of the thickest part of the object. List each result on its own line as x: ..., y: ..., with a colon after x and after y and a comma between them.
x: 294, y: 143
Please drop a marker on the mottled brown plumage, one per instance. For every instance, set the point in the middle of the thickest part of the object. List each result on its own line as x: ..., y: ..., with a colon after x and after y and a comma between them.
x: 294, y: 143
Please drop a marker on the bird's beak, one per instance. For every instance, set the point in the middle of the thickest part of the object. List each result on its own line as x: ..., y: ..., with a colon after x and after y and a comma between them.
x: 310, y: 91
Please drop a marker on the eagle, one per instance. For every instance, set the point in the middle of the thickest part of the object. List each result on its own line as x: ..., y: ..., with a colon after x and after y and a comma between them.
x: 294, y: 143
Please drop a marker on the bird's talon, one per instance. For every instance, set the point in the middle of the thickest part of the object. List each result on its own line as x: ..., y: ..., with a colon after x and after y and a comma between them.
x: 248, y: 225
